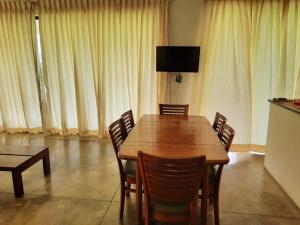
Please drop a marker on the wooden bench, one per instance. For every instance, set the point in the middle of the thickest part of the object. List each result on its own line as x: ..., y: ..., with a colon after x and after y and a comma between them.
x: 16, y: 159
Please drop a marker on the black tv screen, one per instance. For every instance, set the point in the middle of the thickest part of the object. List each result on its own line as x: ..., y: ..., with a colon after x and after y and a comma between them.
x: 177, y: 58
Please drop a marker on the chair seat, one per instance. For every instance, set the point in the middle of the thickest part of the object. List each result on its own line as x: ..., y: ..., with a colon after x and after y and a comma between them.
x: 212, y: 173
x: 212, y: 178
x: 169, y: 208
x: 130, y: 168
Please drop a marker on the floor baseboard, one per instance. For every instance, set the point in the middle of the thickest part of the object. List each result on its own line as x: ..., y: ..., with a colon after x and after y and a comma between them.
x: 247, y: 148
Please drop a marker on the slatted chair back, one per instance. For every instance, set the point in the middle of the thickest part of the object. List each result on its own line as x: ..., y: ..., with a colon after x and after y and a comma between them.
x: 168, y: 109
x: 171, y: 182
x: 227, y: 136
x: 117, y: 136
x: 219, y: 122
x: 128, y: 121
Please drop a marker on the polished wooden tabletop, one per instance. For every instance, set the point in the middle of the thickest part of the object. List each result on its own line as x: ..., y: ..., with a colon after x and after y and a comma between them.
x: 21, y: 150
x: 175, y: 137
x: 11, y: 161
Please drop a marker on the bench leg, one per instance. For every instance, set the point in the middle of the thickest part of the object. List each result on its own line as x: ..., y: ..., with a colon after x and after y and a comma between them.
x: 46, y: 164
x: 18, y: 184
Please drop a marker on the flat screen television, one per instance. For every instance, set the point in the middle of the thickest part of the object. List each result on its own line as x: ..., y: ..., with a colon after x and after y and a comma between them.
x: 177, y: 58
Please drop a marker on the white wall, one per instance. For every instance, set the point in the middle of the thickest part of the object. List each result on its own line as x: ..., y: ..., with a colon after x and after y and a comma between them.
x: 184, y: 19
x: 282, y: 150
x: 184, y: 29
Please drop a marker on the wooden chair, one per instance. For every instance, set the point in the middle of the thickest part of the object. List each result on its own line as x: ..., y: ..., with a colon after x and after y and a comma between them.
x: 178, y: 110
x: 219, y: 122
x: 128, y: 169
x: 170, y: 188
x: 215, y: 172
x: 128, y: 121
x: 227, y: 136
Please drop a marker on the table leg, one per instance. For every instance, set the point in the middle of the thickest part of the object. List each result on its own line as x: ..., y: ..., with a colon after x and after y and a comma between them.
x: 138, y: 195
x: 46, y: 163
x: 204, y: 198
x: 18, y: 183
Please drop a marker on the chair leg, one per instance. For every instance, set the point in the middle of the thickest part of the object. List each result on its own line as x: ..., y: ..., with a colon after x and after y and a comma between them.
x: 128, y: 185
x: 122, y: 200
x: 216, y: 195
x: 216, y: 209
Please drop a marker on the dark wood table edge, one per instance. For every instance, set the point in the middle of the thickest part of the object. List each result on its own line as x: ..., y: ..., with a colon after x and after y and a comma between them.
x: 210, y: 162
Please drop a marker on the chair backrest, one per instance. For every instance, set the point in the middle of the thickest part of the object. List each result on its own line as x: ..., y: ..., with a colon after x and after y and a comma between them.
x: 168, y: 109
x: 227, y: 136
x: 219, y: 122
x: 171, y: 181
x: 128, y: 121
x: 117, y: 135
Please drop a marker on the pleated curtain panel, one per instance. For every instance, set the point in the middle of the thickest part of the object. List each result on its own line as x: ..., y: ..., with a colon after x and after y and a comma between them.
x: 250, y: 53
x: 19, y: 100
x: 99, y: 60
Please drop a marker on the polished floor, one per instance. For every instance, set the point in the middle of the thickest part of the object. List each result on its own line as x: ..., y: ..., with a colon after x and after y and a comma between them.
x: 84, y: 188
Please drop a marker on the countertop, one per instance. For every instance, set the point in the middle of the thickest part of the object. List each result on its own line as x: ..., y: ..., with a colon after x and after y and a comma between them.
x: 288, y: 104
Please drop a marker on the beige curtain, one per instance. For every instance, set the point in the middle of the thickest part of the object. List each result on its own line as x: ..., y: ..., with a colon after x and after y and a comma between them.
x: 267, y: 33
x: 19, y: 102
x: 226, y: 64
x: 250, y: 53
x: 289, y: 83
x: 99, y: 60
x: 1, y: 123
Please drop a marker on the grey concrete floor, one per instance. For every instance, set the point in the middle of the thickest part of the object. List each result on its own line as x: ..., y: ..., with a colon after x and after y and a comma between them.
x: 84, y: 188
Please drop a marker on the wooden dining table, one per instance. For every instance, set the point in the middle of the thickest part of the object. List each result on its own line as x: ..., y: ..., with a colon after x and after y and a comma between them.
x: 176, y: 137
